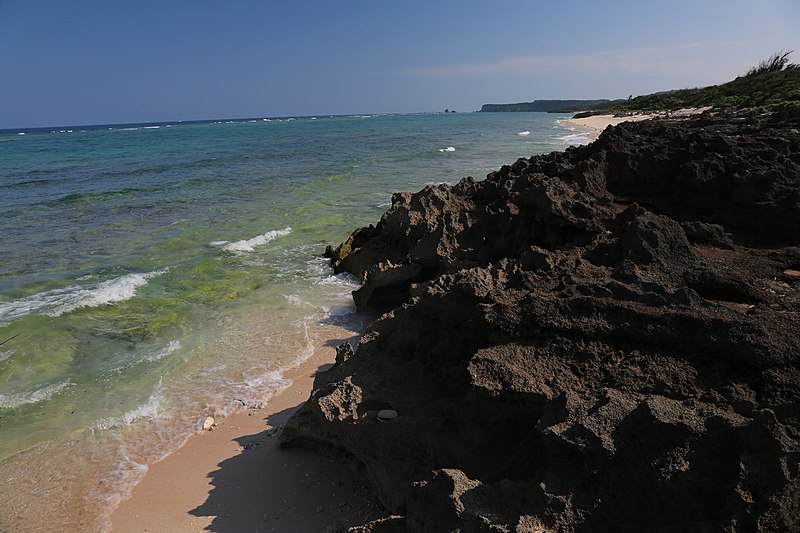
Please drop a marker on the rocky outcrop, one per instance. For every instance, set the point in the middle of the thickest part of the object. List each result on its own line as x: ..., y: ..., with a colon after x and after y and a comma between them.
x: 600, y: 339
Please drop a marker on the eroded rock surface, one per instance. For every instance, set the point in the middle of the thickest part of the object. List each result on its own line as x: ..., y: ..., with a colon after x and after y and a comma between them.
x: 601, y: 339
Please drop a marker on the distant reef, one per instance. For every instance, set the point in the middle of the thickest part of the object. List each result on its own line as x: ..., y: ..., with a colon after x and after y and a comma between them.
x: 601, y: 339
x: 546, y: 106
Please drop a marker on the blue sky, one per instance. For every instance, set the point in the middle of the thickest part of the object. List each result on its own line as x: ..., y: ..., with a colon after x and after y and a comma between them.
x: 91, y: 61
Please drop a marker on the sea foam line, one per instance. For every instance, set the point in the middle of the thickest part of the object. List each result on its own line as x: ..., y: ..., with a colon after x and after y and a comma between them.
x: 149, y: 409
x: 249, y: 245
x: 13, y: 401
x: 56, y: 302
x: 161, y: 354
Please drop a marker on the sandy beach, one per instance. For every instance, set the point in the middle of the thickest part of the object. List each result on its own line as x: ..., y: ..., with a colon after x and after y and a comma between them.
x: 236, y: 478
x: 600, y: 122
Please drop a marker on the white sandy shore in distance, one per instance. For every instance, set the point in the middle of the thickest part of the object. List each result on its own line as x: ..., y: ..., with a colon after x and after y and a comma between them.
x: 236, y: 478
x: 601, y: 122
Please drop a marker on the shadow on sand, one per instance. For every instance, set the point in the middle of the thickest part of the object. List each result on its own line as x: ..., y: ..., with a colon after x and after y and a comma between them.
x: 266, y: 488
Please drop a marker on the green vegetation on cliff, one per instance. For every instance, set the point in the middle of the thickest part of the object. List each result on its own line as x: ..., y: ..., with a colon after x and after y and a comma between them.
x: 772, y: 85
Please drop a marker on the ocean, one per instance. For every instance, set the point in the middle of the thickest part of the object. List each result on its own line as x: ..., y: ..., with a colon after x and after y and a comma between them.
x: 155, y: 274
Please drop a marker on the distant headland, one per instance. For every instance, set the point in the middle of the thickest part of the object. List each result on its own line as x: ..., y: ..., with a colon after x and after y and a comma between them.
x: 545, y: 106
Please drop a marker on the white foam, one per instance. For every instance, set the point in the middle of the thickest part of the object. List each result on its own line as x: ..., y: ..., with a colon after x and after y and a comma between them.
x: 56, y: 302
x: 342, y: 310
x: 524, y: 133
x: 161, y: 354
x: 254, y: 387
x: 151, y: 127
x: 249, y: 245
x: 448, y: 149
x: 12, y: 401
x: 576, y: 138
x: 345, y: 279
x: 149, y: 410
x: 6, y: 355
x: 21, y: 133
x: 116, y: 486
x: 296, y: 300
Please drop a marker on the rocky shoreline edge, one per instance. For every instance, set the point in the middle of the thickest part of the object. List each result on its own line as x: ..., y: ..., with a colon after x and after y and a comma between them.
x: 604, y: 338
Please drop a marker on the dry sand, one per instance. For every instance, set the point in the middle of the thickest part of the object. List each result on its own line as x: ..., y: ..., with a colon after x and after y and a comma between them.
x: 601, y: 122
x: 236, y: 478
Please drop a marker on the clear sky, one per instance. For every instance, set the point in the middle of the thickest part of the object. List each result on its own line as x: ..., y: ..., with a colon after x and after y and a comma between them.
x: 71, y: 62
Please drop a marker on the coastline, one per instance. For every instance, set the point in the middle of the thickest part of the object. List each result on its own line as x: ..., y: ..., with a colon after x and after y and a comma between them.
x: 580, y: 333
x: 236, y: 478
x: 90, y: 432
x: 597, y: 123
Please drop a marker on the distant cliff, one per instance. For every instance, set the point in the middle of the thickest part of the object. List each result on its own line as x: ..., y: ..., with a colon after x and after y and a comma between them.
x: 545, y: 106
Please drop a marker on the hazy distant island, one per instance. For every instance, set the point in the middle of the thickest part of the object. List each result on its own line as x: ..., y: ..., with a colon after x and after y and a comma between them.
x: 546, y: 106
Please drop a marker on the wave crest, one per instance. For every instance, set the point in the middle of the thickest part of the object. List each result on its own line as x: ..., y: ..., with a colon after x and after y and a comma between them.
x: 249, y: 245
x: 56, y: 302
x: 13, y: 401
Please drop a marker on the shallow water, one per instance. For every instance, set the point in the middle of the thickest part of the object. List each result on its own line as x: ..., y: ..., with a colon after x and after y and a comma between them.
x: 150, y: 277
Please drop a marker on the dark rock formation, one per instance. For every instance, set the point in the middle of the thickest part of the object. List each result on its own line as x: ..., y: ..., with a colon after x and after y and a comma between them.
x: 601, y: 339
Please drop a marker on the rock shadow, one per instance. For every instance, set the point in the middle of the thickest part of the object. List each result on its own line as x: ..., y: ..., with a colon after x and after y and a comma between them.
x: 266, y: 488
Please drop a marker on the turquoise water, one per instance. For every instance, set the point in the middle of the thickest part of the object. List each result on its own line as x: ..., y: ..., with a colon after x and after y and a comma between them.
x: 151, y: 275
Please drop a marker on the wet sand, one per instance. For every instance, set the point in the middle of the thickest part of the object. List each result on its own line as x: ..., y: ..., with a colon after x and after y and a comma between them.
x: 236, y: 478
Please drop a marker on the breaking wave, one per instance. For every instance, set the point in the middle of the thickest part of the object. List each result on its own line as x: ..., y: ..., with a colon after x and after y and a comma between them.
x: 56, y: 302
x: 12, y: 401
x: 249, y: 245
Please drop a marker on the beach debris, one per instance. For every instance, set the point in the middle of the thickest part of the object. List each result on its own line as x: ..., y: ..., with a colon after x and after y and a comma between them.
x: 384, y: 415
x: 792, y: 272
x: 209, y: 423
x: 8, y: 339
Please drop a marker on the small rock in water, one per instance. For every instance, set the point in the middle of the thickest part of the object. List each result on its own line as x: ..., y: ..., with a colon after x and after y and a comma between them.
x: 385, y: 415
x: 209, y: 423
